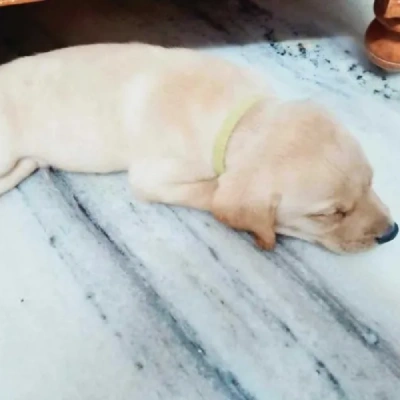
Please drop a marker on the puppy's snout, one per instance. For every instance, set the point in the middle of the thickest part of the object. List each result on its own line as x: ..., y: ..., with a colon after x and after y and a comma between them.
x: 389, y: 235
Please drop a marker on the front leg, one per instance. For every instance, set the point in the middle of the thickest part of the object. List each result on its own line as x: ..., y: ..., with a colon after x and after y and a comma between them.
x: 172, y: 182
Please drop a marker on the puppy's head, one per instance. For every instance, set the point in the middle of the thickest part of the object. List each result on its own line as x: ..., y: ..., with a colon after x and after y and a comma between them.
x: 307, y: 178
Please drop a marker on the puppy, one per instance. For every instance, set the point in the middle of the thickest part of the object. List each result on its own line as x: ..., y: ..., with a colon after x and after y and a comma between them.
x: 195, y: 131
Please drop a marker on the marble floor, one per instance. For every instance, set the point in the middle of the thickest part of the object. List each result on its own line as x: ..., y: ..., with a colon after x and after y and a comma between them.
x: 104, y: 298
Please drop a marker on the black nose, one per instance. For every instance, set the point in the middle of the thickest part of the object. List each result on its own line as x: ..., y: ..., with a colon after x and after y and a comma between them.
x: 389, y: 235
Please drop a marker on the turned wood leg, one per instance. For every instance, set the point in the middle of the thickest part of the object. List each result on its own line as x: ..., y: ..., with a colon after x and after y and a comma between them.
x: 15, y: 2
x: 382, y: 39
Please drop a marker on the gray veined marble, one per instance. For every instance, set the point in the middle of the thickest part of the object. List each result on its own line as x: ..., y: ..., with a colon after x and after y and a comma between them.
x: 102, y: 297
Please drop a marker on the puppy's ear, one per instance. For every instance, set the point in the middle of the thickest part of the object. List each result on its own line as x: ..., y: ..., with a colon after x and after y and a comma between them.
x: 245, y: 205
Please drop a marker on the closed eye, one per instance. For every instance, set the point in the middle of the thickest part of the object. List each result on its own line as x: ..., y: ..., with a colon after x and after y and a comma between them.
x: 341, y: 213
x: 336, y: 214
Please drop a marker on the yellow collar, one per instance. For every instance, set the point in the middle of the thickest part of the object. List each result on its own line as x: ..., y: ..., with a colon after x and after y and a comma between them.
x: 225, y: 133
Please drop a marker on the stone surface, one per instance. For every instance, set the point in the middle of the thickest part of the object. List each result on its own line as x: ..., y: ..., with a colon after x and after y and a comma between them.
x: 102, y: 297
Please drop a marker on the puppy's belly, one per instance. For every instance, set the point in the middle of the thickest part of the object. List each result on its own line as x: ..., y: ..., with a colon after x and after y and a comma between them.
x: 93, y: 157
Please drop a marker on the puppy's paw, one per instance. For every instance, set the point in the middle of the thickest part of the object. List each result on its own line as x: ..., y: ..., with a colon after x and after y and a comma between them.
x: 263, y: 243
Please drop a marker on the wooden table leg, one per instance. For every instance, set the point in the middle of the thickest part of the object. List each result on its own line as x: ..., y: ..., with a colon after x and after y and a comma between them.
x: 382, y: 38
x: 15, y: 2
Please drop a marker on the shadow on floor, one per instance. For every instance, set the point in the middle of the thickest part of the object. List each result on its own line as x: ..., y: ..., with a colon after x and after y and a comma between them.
x: 196, y: 23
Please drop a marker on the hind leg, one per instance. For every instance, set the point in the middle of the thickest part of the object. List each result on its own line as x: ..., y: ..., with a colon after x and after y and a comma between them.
x: 21, y: 170
x: 7, y: 164
x: 8, y: 151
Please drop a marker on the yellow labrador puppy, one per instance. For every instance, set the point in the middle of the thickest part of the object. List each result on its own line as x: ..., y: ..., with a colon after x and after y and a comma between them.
x: 195, y: 131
